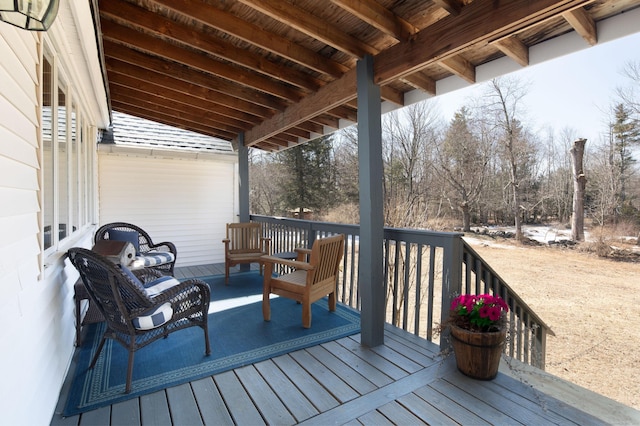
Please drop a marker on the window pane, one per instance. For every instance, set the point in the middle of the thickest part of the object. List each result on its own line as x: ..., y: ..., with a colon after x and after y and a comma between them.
x: 47, y: 153
x: 73, y: 173
x: 63, y: 165
x: 82, y: 208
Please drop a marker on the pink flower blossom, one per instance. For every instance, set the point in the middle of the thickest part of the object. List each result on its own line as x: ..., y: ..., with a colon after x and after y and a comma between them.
x: 483, y: 312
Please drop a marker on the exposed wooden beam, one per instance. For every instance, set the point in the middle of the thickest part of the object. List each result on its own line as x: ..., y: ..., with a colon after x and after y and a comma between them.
x: 171, y: 121
x: 420, y: 81
x: 155, y: 46
x: 311, y: 25
x: 154, y: 101
x: 460, y: 67
x: 326, y: 98
x: 378, y: 17
x: 478, y: 22
x: 311, y: 127
x: 514, y: 48
x: 144, y: 77
x: 451, y: 6
x: 344, y: 112
x: 326, y: 119
x: 190, y: 75
x: 392, y: 95
x: 134, y: 16
x: 583, y: 23
x: 298, y: 133
x: 183, y: 117
x: 481, y: 21
x: 269, y: 41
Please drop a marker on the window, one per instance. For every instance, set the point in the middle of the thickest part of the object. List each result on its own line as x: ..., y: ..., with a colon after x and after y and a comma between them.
x: 67, y: 165
x: 47, y: 151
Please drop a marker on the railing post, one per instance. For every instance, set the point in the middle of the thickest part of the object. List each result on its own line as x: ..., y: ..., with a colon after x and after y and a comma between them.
x: 451, y: 276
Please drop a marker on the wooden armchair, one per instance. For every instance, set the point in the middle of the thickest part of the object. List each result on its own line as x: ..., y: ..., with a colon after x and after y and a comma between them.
x: 140, y: 306
x: 244, y: 244
x: 310, y: 281
x: 161, y: 256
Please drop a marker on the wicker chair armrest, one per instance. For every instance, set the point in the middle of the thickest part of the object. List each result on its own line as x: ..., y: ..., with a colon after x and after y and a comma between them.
x: 178, y: 291
x: 167, y: 244
x: 293, y: 263
x: 146, y: 275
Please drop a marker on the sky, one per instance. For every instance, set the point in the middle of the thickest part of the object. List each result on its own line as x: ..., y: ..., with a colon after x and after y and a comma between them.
x: 574, y: 91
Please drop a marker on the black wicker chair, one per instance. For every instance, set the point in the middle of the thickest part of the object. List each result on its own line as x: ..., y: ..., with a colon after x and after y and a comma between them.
x: 161, y: 256
x: 131, y: 303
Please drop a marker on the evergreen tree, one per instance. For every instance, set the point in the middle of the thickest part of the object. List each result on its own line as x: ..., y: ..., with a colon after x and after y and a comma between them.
x: 626, y: 134
x: 310, y: 180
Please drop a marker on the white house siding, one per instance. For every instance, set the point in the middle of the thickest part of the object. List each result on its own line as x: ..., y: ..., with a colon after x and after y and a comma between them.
x: 36, y: 307
x: 184, y: 200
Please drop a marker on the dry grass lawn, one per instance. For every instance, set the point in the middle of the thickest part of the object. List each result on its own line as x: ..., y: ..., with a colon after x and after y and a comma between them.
x: 592, y: 304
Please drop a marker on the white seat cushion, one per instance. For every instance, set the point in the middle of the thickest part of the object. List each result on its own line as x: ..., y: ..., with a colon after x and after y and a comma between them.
x: 152, y: 258
x: 155, y: 318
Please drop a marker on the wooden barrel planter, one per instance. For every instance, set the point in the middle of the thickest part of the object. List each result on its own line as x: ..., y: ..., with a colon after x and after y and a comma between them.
x: 477, y: 354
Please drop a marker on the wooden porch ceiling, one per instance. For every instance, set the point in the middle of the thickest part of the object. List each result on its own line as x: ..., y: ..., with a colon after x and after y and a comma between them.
x: 283, y: 72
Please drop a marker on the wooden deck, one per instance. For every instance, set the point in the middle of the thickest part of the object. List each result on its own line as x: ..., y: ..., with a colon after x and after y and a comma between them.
x: 405, y: 381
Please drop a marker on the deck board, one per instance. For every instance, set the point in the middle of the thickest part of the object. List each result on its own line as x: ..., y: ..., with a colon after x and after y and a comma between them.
x: 126, y: 413
x: 270, y: 406
x: 313, y: 390
x: 324, y: 375
x: 405, y: 381
x: 210, y: 402
x: 423, y: 410
x: 154, y: 409
x: 356, y: 380
x: 183, y: 406
x: 297, y: 404
x: 238, y: 401
x: 457, y: 412
x: 398, y: 414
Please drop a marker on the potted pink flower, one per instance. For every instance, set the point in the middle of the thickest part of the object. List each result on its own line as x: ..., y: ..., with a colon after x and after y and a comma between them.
x: 477, y: 324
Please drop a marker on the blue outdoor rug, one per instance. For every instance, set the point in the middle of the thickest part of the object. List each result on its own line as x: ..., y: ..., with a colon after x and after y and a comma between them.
x: 239, y: 336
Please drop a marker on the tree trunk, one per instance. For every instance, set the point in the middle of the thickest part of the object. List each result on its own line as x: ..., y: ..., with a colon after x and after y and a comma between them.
x: 579, y: 184
x: 466, y: 217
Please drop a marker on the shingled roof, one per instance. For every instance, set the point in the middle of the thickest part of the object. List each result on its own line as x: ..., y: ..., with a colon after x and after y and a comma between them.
x: 138, y: 132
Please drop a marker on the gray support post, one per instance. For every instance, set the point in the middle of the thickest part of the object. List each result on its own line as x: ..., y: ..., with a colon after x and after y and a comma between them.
x: 243, y: 172
x: 370, y: 269
x: 243, y: 187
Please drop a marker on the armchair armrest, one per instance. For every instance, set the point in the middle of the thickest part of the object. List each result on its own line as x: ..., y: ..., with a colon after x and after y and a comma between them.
x: 146, y: 275
x: 265, y: 244
x: 177, y: 292
x: 303, y: 253
x: 169, y: 245
x: 293, y: 263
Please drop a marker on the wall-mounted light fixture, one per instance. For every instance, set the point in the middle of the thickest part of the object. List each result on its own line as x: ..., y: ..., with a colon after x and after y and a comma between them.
x: 33, y: 15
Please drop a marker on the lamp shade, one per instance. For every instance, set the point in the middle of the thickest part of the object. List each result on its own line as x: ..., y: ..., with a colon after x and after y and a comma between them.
x: 33, y: 15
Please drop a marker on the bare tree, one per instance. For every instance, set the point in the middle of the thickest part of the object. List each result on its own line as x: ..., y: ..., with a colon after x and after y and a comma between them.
x: 264, y: 192
x: 579, y: 185
x: 463, y: 159
x: 503, y: 99
x: 409, y: 139
x: 630, y: 95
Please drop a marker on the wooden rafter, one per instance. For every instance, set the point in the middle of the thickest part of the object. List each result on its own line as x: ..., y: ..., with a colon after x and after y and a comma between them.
x: 377, y: 16
x: 284, y: 72
x: 583, y: 23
